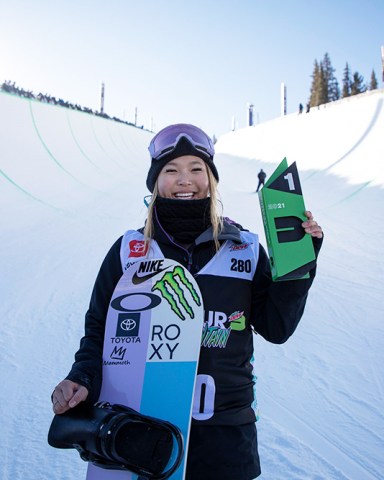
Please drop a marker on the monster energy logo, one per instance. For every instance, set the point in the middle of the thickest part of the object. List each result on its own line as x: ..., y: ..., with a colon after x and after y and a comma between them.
x: 170, y: 288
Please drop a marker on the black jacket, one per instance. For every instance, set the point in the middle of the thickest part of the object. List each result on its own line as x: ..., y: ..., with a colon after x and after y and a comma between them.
x: 274, y: 310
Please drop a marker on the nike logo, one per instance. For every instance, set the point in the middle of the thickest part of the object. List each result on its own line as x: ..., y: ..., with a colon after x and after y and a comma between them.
x: 136, y: 280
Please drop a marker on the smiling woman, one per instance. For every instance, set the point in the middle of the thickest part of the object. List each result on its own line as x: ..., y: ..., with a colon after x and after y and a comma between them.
x: 232, y: 272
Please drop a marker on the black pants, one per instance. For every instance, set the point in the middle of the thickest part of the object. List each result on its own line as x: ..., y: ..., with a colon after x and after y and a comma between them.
x: 223, y: 453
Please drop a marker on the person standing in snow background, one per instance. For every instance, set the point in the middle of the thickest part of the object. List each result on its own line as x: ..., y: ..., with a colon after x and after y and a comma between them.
x: 185, y: 224
x: 261, y: 176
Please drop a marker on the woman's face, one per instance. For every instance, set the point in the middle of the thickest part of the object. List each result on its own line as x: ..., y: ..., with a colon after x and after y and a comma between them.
x: 184, y: 178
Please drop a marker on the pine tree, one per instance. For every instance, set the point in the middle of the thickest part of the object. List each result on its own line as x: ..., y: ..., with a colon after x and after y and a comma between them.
x: 313, y: 93
x: 318, y: 94
x: 331, y: 86
x: 346, y: 90
x: 325, y: 87
x: 373, y: 85
x: 322, y: 86
x: 357, y: 85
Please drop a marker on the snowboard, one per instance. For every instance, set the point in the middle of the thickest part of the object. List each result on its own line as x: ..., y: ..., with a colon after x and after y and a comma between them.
x: 151, y: 348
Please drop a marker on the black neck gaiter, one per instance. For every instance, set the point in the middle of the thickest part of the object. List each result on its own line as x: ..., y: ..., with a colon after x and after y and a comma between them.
x: 185, y: 220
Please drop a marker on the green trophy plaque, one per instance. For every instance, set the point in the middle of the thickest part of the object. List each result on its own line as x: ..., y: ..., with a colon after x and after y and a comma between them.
x: 290, y: 249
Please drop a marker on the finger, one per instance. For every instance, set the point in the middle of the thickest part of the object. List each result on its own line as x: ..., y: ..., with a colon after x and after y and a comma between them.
x: 57, y: 396
x: 80, y: 395
x: 68, y: 389
x: 309, y: 220
x: 308, y: 214
x: 310, y: 225
x: 315, y: 231
x: 58, y: 408
x: 63, y: 392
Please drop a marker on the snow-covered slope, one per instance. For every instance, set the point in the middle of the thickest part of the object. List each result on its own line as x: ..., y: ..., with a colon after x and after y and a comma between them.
x: 71, y: 183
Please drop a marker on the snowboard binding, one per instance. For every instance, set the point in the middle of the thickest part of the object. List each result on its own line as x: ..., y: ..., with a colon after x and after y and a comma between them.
x: 117, y: 437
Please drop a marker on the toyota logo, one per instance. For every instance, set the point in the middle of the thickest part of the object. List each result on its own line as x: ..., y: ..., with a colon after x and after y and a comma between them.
x: 128, y: 324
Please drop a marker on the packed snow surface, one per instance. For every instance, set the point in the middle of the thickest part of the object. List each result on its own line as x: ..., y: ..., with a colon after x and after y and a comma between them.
x: 72, y: 183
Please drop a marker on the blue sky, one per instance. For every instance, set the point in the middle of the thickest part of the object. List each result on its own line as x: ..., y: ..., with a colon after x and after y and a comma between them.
x: 197, y: 61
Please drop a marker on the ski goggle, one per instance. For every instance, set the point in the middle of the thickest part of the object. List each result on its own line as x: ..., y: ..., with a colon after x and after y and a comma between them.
x: 166, y: 140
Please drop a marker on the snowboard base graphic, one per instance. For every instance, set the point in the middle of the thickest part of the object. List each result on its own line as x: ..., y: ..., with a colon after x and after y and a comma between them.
x: 151, y: 348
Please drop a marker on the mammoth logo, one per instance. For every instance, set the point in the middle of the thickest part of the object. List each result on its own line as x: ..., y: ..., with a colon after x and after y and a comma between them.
x: 171, y: 288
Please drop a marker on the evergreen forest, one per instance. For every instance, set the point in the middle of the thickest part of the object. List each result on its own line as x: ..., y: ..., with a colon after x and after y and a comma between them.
x: 325, y: 87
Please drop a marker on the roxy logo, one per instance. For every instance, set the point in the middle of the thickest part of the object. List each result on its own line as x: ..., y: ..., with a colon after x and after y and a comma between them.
x: 164, y: 341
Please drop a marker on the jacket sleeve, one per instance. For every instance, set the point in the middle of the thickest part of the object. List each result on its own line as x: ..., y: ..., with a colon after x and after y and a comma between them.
x: 87, y: 368
x: 277, y: 307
